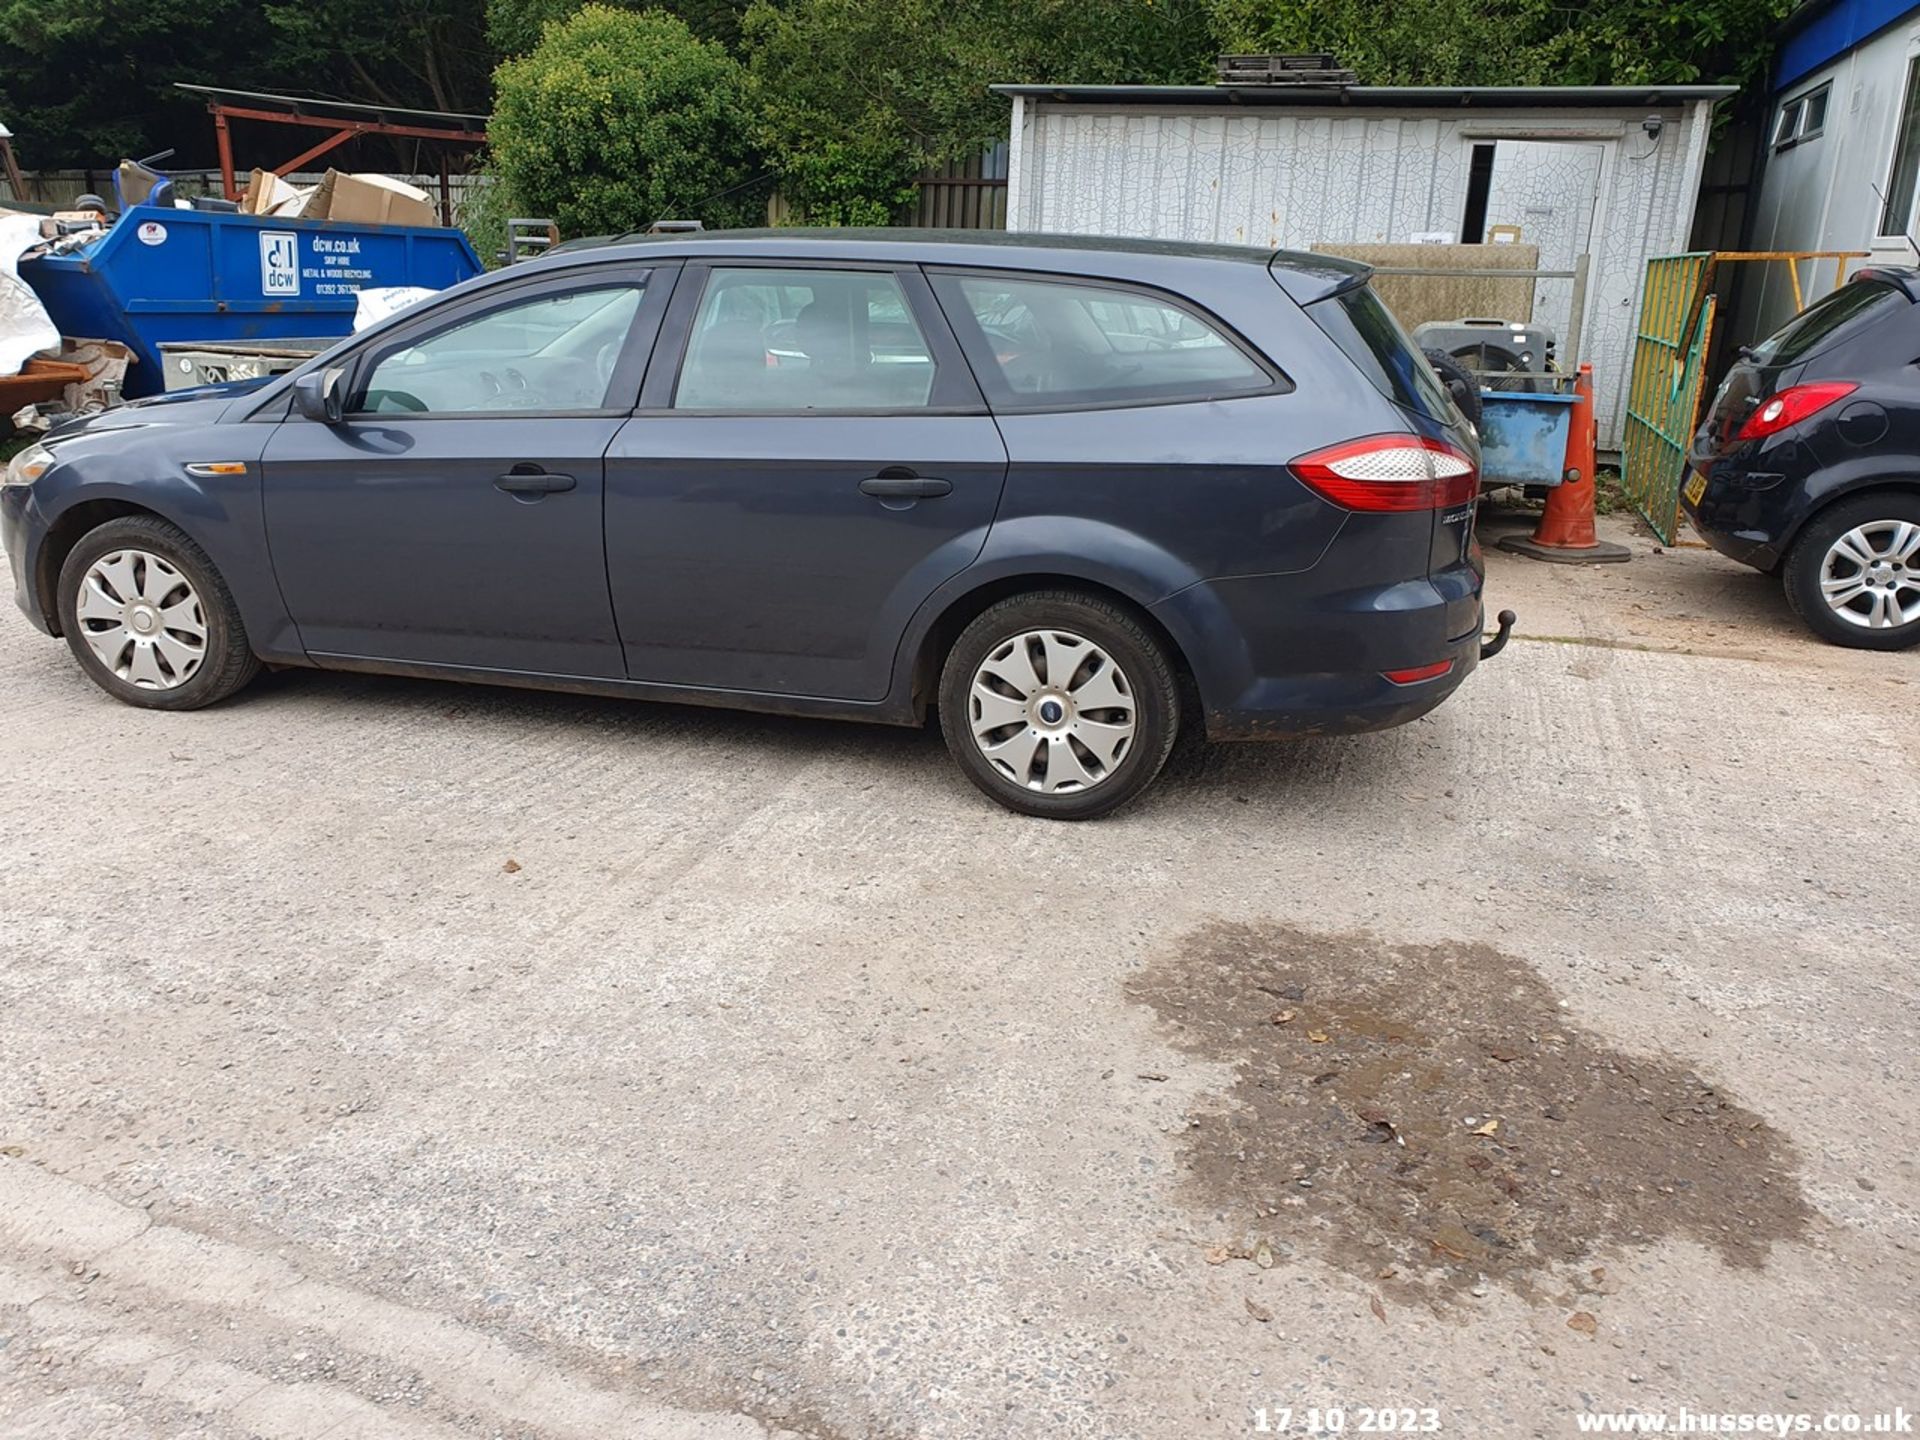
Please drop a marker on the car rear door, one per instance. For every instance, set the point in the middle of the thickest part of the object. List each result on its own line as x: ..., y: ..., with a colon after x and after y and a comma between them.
x: 810, y: 460
x: 454, y: 517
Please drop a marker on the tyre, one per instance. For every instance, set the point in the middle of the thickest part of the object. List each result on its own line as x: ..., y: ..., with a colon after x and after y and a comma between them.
x: 1059, y: 704
x: 149, y: 618
x: 1460, y: 383
x: 1854, y: 574
x: 1492, y: 365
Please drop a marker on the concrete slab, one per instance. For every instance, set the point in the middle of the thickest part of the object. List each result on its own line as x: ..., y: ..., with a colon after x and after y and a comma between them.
x: 788, y: 1087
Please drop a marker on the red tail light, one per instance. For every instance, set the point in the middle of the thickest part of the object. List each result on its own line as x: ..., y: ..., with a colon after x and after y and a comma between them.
x: 1790, y: 407
x: 1392, y: 473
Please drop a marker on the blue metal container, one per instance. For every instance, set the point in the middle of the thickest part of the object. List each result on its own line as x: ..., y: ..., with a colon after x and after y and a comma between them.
x: 168, y: 275
x: 1523, y: 438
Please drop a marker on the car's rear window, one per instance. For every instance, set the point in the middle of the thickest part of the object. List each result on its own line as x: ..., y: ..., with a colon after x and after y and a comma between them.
x: 1372, y: 339
x: 1063, y: 341
x: 1845, y: 313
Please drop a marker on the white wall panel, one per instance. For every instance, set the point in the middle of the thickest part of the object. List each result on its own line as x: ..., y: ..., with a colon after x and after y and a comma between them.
x: 1288, y: 178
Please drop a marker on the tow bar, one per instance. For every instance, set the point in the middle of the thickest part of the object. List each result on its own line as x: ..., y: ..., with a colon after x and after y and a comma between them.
x: 1491, y: 648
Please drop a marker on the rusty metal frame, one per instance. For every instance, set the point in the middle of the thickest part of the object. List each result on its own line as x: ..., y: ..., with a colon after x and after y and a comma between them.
x: 358, y: 121
x: 15, y: 180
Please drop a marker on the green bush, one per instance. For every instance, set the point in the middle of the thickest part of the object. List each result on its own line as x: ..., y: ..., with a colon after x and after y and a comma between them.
x: 514, y: 26
x: 617, y: 119
x: 483, y: 212
x: 851, y: 181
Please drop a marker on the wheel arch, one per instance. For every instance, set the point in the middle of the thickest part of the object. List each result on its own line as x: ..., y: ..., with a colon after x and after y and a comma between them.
x: 940, y: 633
x: 1863, y: 488
x: 68, y: 528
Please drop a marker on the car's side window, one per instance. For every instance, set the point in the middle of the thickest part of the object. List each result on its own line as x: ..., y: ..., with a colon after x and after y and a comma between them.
x: 1068, y: 342
x: 785, y: 340
x: 555, y: 351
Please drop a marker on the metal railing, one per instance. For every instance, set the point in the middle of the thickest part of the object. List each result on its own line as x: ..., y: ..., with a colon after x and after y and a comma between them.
x: 528, y: 237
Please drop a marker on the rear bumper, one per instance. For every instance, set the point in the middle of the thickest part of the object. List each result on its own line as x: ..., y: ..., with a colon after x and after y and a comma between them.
x: 1273, y: 662
x: 1741, y: 521
x: 1337, y: 704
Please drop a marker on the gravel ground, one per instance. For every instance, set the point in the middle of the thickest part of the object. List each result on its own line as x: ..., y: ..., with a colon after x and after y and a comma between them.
x: 782, y: 1085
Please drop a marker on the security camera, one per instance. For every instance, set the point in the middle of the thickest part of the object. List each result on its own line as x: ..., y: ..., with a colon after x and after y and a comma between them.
x: 1653, y: 125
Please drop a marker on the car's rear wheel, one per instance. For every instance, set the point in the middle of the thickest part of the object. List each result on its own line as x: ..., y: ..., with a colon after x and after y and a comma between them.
x: 149, y: 618
x: 1854, y: 573
x: 1059, y: 704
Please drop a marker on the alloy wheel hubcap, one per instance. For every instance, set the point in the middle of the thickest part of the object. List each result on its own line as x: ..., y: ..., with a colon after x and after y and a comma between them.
x: 142, y: 619
x: 1051, y: 711
x: 1870, y: 576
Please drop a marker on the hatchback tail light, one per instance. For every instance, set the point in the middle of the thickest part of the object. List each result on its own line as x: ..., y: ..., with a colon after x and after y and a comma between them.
x: 1391, y: 473
x: 1791, y: 406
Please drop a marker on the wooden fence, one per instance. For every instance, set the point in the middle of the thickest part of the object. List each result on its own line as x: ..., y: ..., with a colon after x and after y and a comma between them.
x: 960, y: 195
x: 965, y: 194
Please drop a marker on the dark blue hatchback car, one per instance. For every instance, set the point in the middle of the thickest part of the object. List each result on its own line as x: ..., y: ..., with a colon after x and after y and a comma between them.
x: 1072, y: 493
x: 1808, y: 463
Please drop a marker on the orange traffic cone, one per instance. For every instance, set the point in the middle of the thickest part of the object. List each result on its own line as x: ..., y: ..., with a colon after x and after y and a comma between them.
x: 1565, y: 533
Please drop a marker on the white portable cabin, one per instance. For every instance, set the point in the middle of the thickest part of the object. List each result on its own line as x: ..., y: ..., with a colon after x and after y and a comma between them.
x: 1842, y: 151
x: 1609, y: 171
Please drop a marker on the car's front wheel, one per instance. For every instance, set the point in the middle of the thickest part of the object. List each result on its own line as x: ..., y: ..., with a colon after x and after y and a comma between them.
x: 149, y: 618
x: 1059, y: 704
x: 1854, y: 573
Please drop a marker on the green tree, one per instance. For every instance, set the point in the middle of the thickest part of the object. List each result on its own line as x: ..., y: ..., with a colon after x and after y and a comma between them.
x: 90, y: 82
x: 420, y: 54
x: 857, y: 97
x: 1515, y: 42
x: 514, y: 26
x: 617, y: 119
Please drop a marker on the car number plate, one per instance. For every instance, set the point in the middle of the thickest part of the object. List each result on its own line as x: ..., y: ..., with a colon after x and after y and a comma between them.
x: 1696, y: 487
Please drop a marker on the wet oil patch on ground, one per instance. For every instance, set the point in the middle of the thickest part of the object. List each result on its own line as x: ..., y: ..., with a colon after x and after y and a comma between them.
x: 1429, y: 1117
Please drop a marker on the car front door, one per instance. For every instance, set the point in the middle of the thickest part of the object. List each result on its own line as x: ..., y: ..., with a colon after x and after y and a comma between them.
x: 789, y: 492
x: 453, y: 516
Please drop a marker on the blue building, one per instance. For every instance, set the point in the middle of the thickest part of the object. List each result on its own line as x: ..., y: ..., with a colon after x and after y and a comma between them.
x: 1842, y: 147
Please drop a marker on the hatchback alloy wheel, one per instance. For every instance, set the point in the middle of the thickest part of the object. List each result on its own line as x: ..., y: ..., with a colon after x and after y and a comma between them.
x: 1853, y: 574
x: 1870, y: 576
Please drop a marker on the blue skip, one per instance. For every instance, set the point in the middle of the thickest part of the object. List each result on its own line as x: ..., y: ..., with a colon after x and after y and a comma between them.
x: 162, y: 274
x: 1523, y: 438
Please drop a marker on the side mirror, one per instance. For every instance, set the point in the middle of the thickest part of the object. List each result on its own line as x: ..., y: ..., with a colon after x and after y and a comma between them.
x: 321, y: 395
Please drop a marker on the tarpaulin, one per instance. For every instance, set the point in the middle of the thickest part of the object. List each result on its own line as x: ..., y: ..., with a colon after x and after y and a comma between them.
x: 25, y: 329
